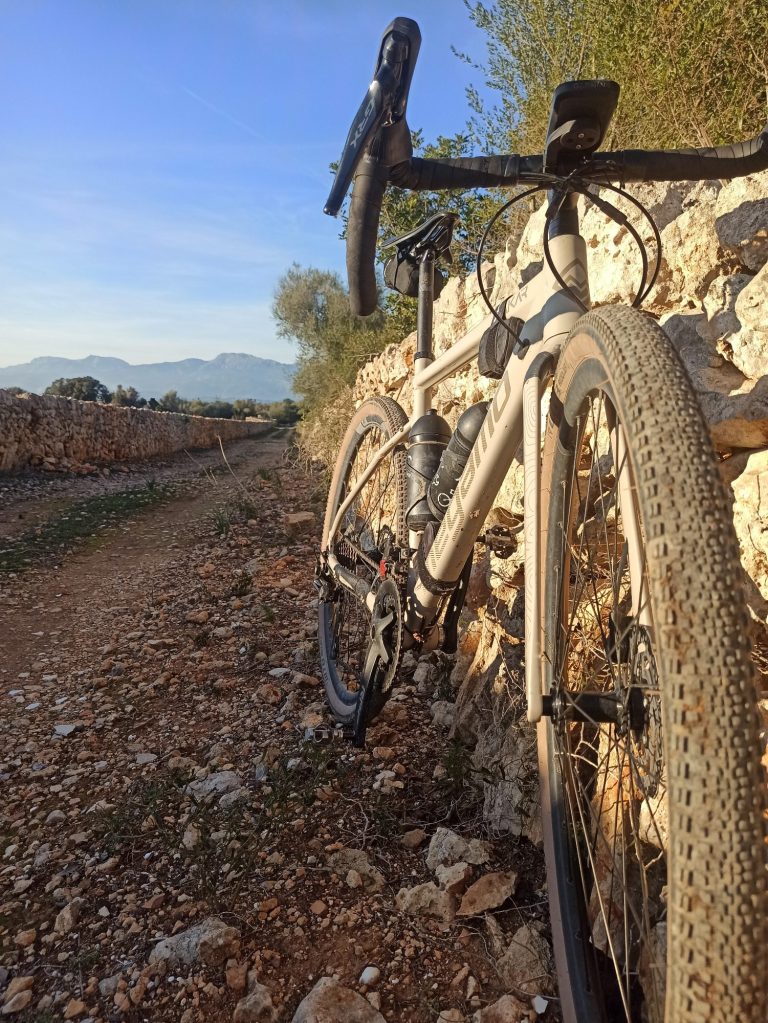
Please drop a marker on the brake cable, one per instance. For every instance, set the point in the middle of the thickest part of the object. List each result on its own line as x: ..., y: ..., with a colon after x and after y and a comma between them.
x: 572, y: 183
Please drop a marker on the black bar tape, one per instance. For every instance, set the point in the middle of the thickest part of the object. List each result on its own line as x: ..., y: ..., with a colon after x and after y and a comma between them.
x: 462, y: 172
x: 370, y: 183
x: 689, y: 164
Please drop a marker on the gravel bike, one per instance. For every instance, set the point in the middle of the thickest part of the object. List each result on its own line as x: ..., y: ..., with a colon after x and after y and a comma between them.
x: 637, y: 661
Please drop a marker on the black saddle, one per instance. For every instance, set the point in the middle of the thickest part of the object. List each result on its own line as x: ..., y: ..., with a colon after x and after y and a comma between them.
x: 435, y: 233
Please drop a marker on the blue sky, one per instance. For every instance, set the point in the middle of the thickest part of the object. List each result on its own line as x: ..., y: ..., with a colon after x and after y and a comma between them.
x: 162, y: 162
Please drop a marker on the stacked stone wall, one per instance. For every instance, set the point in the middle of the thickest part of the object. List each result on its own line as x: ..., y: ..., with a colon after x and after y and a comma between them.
x: 711, y: 298
x: 60, y: 433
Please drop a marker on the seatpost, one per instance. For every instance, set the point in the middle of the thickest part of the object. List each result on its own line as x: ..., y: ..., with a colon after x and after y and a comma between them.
x: 422, y: 398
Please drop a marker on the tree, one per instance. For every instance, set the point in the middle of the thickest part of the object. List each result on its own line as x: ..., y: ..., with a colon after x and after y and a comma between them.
x: 81, y: 388
x: 15, y: 390
x: 284, y: 413
x: 312, y: 308
x: 690, y: 73
x: 171, y: 402
x: 127, y: 396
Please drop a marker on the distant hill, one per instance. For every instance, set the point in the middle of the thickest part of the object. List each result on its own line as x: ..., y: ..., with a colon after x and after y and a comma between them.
x: 229, y: 376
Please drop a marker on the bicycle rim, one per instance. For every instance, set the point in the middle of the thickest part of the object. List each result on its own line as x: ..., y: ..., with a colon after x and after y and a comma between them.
x: 367, y: 534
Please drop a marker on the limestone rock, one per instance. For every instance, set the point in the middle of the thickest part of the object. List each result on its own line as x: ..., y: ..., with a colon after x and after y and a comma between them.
x: 489, y: 892
x: 741, y: 220
x: 345, y: 860
x: 211, y: 942
x: 447, y: 847
x: 16, y: 1003
x: 750, y: 517
x: 256, y: 1007
x: 454, y: 878
x: 527, y: 964
x: 67, y: 919
x: 749, y: 345
x: 330, y: 1002
x: 214, y: 786
x: 427, y: 900
x: 508, y: 1009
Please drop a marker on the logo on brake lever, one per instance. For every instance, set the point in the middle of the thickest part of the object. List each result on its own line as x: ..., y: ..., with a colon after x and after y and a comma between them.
x: 362, y: 125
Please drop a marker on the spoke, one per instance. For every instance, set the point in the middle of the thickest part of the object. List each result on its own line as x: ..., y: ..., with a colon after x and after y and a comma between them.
x: 605, y: 643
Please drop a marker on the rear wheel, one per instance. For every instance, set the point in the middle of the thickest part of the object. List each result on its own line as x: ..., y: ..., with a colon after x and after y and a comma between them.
x: 651, y: 780
x: 372, y: 529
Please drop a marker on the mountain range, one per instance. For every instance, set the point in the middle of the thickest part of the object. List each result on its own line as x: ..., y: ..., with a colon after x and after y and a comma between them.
x: 227, y: 377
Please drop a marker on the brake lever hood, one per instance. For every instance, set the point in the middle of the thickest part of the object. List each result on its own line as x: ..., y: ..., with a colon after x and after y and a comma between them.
x: 384, y: 106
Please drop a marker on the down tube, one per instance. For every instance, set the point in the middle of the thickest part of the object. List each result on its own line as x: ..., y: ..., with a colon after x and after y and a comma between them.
x: 496, y: 446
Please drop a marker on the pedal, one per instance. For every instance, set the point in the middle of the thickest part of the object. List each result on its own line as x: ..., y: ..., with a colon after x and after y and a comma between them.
x: 501, y: 540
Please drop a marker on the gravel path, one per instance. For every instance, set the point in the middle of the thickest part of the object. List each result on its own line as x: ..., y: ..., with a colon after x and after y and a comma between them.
x: 156, y: 688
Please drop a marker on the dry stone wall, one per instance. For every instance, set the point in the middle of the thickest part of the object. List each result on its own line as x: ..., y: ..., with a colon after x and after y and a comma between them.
x: 59, y: 433
x: 711, y: 298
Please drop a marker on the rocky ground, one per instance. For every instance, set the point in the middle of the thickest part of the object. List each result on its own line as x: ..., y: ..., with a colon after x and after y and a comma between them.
x: 180, y: 837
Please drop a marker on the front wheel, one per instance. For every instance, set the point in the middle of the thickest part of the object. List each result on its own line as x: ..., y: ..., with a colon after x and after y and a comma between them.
x: 372, y: 529
x: 652, y: 789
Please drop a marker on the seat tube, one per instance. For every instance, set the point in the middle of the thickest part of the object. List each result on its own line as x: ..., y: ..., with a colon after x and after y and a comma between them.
x: 422, y: 396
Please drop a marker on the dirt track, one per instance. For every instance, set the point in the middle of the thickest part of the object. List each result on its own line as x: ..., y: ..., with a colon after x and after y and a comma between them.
x: 176, y: 647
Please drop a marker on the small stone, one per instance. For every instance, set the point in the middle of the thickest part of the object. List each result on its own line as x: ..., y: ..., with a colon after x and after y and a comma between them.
x: 108, y: 986
x: 18, y: 984
x: 540, y: 1005
x: 55, y: 817
x: 370, y: 976
x: 426, y: 900
x: 414, y: 838
x: 256, y: 1007
x: 506, y: 1010
x: 215, y: 785
x: 197, y: 617
x: 269, y: 694
x: 305, y: 680
x: 66, y: 730
x: 67, y: 919
x: 145, y: 758
x: 26, y: 938
x: 443, y: 714
x: 318, y: 908
x: 236, y: 975
x: 211, y: 942
x: 354, y: 879
x: 454, y: 879
x: 74, y: 1008
x: 342, y: 861
x: 383, y: 753
x: 447, y: 847
x: 330, y: 1002
x: 527, y: 963
x: 489, y: 892
x: 17, y: 1003
x: 451, y: 1016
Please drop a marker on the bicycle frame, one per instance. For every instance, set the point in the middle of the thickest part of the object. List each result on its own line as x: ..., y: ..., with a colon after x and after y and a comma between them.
x: 513, y: 419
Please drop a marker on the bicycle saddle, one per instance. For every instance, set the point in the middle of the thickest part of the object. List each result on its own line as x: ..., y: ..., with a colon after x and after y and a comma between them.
x: 435, y: 233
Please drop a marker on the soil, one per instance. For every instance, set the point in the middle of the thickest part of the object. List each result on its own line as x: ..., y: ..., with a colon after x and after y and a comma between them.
x: 175, y: 647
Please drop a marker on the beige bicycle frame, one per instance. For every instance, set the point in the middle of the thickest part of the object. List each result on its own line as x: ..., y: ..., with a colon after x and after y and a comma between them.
x: 513, y: 420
